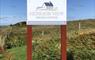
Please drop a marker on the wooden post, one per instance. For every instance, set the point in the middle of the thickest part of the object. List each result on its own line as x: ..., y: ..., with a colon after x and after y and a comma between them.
x: 63, y: 42
x: 29, y: 42
x: 79, y: 26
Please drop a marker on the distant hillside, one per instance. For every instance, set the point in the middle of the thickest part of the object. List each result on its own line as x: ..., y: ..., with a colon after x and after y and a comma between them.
x: 46, y: 40
x: 20, y: 24
x: 89, y: 23
x: 84, y: 24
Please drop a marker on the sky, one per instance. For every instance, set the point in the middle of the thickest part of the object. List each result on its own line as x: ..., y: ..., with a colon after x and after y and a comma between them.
x: 81, y: 9
x: 13, y: 11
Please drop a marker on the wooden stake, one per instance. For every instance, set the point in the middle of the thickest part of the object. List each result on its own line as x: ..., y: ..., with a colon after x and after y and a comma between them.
x: 29, y: 42
x: 63, y: 42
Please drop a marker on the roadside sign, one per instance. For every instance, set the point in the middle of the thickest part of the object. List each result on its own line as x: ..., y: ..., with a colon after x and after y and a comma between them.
x: 46, y: 12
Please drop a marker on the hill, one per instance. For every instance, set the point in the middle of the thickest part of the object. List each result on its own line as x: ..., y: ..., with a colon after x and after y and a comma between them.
x: 81, y: 41
x: 46, y: 40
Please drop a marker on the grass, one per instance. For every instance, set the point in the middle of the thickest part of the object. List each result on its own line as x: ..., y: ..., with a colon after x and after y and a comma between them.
x: 18, y: 53
x: 46, y: 41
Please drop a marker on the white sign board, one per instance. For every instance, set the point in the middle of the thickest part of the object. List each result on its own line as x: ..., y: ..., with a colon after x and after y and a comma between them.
x: 46, y: 12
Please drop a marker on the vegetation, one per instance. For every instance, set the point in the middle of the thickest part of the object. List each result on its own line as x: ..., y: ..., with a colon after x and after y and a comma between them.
x: 81, y: 42
x: 46, y: 41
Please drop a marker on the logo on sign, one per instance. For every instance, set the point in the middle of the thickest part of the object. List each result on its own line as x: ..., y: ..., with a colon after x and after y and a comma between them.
x: 46, y: 10
x: 46, y: 6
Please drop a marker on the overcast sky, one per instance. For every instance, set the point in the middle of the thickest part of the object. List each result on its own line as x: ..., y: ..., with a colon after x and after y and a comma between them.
x: 13, y: 11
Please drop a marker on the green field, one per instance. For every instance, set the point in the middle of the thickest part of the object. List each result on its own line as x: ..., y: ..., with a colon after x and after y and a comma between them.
x: 46, y: 41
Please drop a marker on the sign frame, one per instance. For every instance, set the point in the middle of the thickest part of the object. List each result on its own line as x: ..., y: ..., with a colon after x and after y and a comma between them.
x: 36, y: 16
x: 46, y: 12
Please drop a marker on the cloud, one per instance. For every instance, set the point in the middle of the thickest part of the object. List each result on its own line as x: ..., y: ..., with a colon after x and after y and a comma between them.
x: 11, y: 20
x: 3, y: 17
x: 10, y: 17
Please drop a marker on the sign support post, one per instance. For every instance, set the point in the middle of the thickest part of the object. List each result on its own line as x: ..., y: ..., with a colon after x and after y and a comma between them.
x: 47, y: 12
x: 29, y: 42
x: 63, y: 42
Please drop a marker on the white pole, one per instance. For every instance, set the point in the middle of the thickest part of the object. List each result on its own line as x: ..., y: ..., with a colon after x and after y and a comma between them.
x: 79, y: 26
